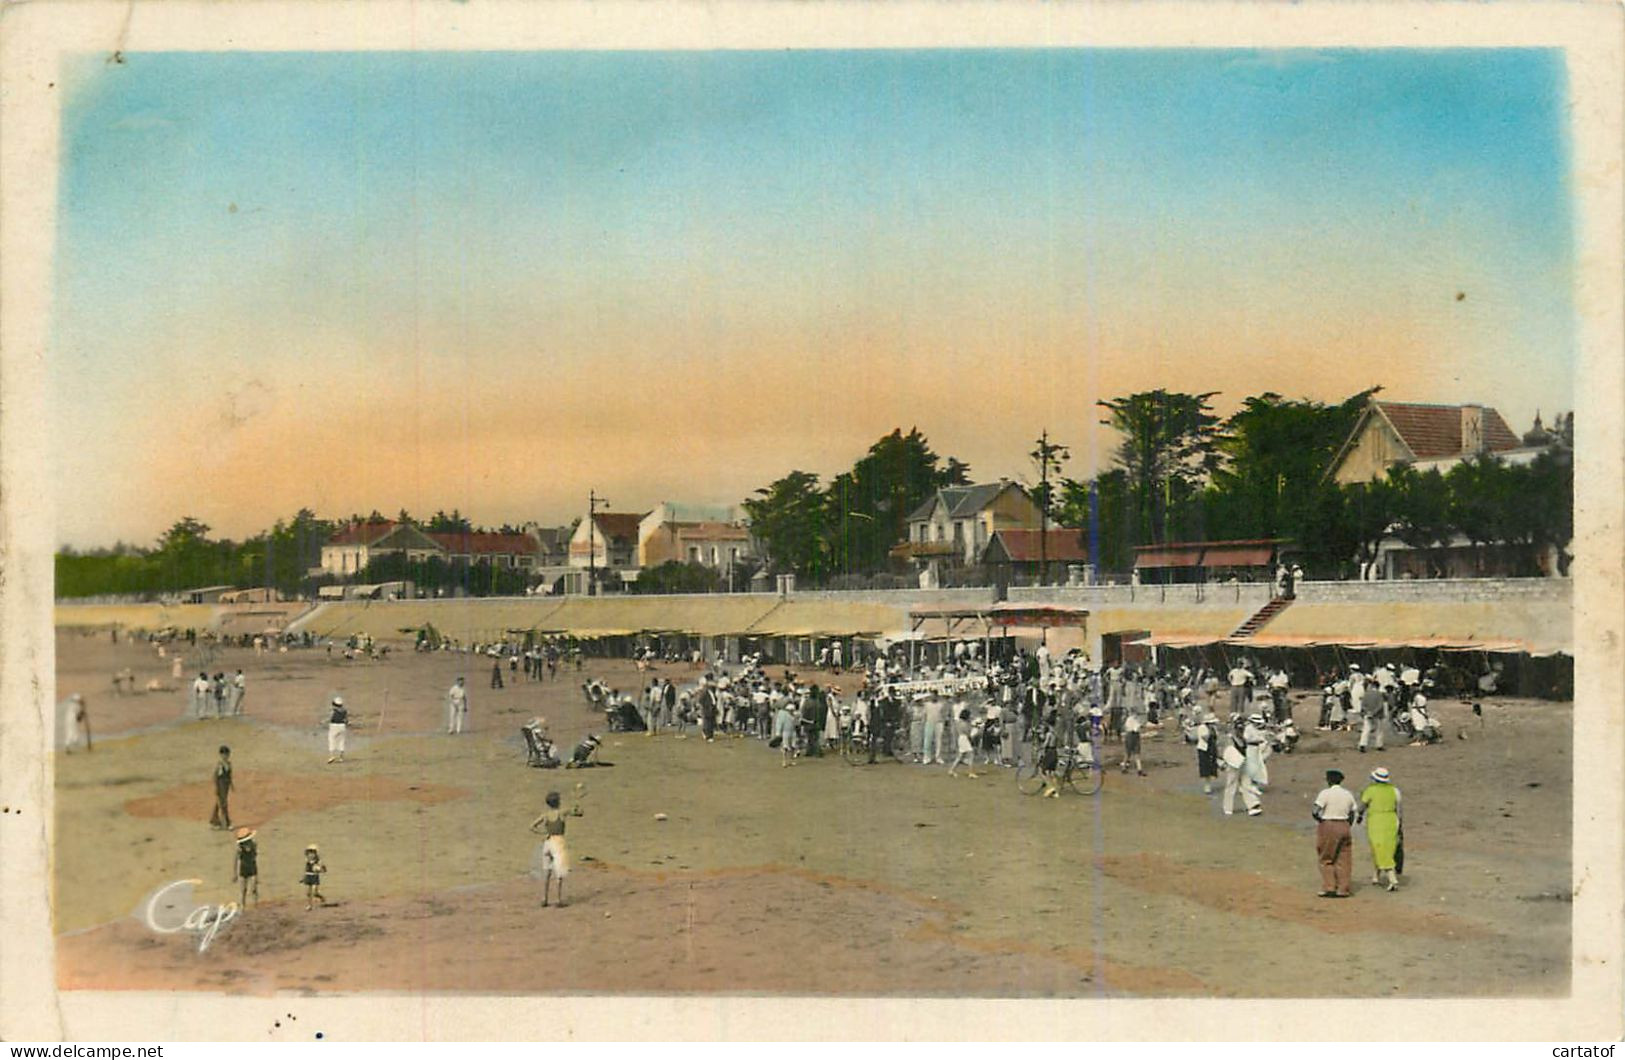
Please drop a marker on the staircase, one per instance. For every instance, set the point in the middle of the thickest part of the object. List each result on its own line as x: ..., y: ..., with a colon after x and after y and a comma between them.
x: 1260, y: 618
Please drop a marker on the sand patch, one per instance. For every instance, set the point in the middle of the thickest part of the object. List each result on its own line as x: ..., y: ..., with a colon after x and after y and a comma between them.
x: 1251, y: 895
x: 260, y: 796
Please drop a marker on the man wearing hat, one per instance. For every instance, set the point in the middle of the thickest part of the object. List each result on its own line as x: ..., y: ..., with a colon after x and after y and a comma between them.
x: 245, y: 865
x: 338, y: 725
x: 1243, y: 765
x: 1335, y: 808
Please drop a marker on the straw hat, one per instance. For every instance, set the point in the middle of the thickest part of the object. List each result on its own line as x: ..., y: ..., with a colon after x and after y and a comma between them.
x: 245, y: 833
x: 310, y: 848
x: 338, y: 701
x: 1380, y: 774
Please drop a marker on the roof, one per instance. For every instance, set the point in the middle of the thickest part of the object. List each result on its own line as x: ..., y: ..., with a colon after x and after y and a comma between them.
x: 710, y: 531
x: 961, y: 501
x: 1024, y: 546
x: 1430, y: 432
x: 1435, y: 430
x: 618, y: 525
x: 1250, y: 552
x: 362, y: 533
x: 486, y: 544
x: 405, y: 536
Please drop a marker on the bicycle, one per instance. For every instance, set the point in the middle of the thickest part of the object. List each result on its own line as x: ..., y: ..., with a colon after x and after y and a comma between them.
x: 857, y: 749
x: 1081, y: 773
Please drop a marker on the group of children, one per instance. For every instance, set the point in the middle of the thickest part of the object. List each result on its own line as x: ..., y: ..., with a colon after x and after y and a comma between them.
x: 245, y: 870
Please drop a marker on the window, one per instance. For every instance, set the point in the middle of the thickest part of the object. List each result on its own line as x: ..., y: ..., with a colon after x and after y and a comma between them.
x: 939, y: 532
x: 693, y: 553
x: 923, y: 535
x: 959, y: 533
x: 713, y: 555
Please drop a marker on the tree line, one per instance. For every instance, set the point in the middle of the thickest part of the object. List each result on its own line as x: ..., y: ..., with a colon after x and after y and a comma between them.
x: 281, y: 557
x: 1181, y: 472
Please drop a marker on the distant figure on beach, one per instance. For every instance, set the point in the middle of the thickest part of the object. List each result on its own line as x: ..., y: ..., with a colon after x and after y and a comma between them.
x: 456, y: 707
x: 75, y: 724
x: 338, y: 726
x: 239, y: 686
x: 221, y: 817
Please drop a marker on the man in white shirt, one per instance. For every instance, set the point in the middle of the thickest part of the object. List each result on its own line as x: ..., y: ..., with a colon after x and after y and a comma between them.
x: 1239, y: 678
x: 456, y: 707
x: 1242, y: 766
x: 1280, y: 684
x: 1335, y: 809
x: 202, y: 695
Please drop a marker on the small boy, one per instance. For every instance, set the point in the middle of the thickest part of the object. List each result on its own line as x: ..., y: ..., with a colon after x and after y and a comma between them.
x: 245, y: 866
x: 312, y: 878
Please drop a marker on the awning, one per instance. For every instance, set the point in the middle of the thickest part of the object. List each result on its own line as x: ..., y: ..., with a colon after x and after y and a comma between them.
x: 1238, y: 556
x: 1038, y: 615
x: 1174, y: 557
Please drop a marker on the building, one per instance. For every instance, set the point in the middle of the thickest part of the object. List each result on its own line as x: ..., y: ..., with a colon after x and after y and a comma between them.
x: 1208, y: 561
x: 955, y: 525
x: 263, y: 595
x: 1425, y: 436
x: 1021, y: 553
x: 552, y: 544
x: 350, y: 548
x: 607, y: 541
x: 718, y: 538
x: 1437, y: 438
x: 518, y: 551
x: 209, y: 594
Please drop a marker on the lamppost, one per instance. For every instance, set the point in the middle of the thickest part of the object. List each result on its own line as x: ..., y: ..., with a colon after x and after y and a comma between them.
x: 593, y: 501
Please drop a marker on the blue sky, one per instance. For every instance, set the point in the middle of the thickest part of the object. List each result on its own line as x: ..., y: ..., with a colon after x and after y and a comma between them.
x: 493, y: 280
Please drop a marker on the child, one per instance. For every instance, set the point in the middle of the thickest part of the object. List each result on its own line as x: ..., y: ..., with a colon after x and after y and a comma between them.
x: 1049, y: 756
x: 554, y: 857
x: 1131, y: 742
x: 312, y: 879
x: 685, y: 714
x: 245, y: 866
x: 962, y: 744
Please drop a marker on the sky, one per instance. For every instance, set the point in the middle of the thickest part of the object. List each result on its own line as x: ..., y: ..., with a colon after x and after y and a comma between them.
x: 494, y: 281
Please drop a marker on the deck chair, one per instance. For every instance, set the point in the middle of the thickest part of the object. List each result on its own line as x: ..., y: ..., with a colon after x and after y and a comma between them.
x: 538, y: 749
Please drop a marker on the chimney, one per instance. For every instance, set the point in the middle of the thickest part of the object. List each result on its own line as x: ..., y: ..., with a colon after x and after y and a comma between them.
x: 1472, y: 430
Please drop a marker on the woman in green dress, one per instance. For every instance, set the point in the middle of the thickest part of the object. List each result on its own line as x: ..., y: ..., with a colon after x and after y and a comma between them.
x: 1380, y: 809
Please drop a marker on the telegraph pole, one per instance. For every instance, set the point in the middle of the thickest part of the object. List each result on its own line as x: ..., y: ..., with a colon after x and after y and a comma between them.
x: 593, y: 501
x: 1048, y: 455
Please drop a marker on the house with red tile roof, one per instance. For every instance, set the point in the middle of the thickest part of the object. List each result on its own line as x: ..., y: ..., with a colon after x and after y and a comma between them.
x: 1424, y: 436
x: 607, y: 541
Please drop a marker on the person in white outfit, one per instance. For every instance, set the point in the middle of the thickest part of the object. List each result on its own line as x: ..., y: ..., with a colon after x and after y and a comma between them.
x: 202, y: 695
x: 338, y: 727
x: 1243, y: 766
x: 456, y: 707
x: 75, y: 724
x: 239, y: 685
